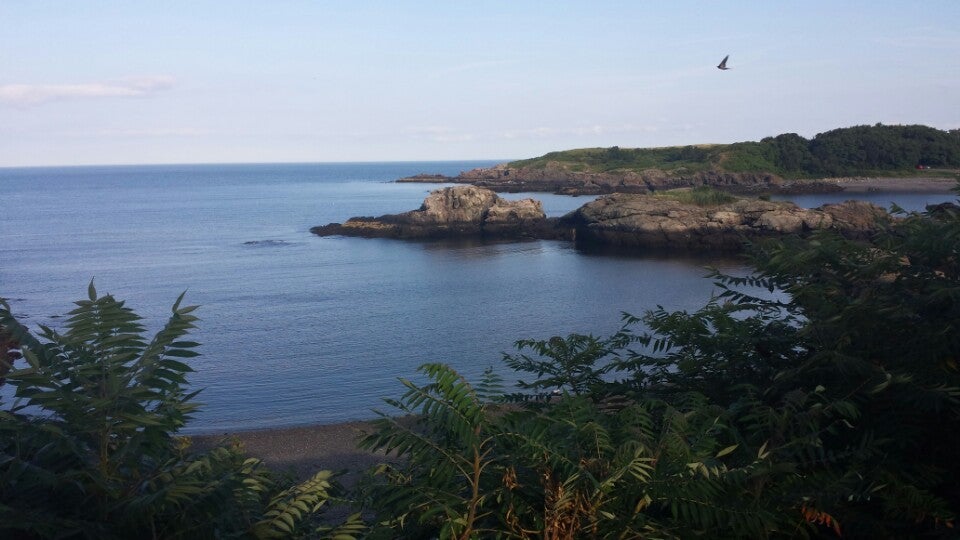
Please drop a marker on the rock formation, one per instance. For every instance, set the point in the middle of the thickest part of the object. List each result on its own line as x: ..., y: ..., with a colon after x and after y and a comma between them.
x: 647, y: 221
x: 619, y: 219
x: 555, y: 178
x: 449, y: 212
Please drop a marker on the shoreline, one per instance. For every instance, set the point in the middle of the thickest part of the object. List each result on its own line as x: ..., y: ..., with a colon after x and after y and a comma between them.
x: 304, y: 450
x: 938, y: 184
x: 849, y: 184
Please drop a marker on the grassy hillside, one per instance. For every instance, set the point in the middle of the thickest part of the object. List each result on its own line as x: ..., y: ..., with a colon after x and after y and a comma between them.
x: 690, y: 158
x: 858, y: 150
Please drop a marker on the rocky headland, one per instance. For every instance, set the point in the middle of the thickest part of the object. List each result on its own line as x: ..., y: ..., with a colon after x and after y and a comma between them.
x: 557, y: 178
x: 561, y: 180
x: 633, y: 220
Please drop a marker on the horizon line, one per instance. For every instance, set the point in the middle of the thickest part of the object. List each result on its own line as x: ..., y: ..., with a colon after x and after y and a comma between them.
x: 228, y: 163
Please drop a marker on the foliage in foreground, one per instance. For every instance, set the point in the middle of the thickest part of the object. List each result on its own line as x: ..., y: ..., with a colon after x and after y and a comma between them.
x: 88, y: 448
x: 576, y: 468
x: 818, y: 397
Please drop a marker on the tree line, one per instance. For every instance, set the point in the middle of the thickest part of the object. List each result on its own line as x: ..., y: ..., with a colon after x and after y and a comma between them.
x: 858, y: 150
x: 853, y: 150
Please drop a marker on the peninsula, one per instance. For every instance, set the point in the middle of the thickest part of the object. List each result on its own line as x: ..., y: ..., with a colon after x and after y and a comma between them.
x: 860, y: 158
x: 683, y: 197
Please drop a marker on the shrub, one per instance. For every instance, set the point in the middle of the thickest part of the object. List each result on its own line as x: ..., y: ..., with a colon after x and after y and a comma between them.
x: 88, y: 448
x: 576, y: 469
x: 699, y: 196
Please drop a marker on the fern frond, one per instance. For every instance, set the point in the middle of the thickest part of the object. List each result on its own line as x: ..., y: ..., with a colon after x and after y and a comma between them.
x: 288, y: 511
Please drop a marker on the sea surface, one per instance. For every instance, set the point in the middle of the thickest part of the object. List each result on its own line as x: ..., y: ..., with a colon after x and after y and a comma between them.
x: 298, y: 329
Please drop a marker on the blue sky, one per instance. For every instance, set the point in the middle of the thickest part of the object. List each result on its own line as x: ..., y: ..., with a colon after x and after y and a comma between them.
x: 97, y: 82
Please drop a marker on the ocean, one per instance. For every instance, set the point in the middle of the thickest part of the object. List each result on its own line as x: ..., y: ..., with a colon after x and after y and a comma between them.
x: 297, y: 329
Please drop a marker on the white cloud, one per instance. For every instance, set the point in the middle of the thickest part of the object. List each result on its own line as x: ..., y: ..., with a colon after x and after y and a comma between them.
x: 26, y: 95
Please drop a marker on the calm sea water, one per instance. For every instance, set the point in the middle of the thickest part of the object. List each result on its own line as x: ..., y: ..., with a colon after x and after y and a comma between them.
x: 911, y: 202
x: 298, y: 329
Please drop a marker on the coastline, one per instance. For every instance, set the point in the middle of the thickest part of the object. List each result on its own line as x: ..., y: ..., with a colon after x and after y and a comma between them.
x: 304, y: 450
x: 938, y: 184
x: 502, y: 179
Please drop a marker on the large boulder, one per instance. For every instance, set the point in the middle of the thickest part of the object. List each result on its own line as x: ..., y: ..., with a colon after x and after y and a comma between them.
x: 454, y: 206
x: 452, y: 211
x: 856, y: 219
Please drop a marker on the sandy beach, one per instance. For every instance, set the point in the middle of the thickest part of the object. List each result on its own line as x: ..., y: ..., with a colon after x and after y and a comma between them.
x: 304, y: 450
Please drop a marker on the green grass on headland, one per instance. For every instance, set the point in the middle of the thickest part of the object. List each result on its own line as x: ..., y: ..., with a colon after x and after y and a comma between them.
x: 688, y: 158
x: 699, y: 196
x: 855, y: 151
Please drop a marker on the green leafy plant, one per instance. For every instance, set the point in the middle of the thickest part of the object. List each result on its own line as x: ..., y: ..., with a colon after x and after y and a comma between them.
x: 574, y: 364
x: 89, y: 446
x: 468, y: 467
x: 449, y: 459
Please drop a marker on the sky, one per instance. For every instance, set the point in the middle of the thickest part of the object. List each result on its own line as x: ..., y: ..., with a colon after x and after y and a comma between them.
x: 118, y: 82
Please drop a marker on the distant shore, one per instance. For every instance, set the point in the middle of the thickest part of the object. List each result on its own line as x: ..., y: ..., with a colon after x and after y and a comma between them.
x: 902, y: 185
x: 505, y: 179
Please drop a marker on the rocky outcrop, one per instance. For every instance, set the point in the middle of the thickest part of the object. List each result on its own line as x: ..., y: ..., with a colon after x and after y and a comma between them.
x: 620, y: 219
x: 646, y: 221
x: 556, y: 178
x: 450, y: 212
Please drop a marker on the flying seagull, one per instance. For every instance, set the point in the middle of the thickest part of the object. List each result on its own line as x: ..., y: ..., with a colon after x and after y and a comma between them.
x: 723, y: 63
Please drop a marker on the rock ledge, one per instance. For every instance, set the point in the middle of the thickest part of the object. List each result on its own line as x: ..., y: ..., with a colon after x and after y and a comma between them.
x: 449, y: 212
x: 620, y: 219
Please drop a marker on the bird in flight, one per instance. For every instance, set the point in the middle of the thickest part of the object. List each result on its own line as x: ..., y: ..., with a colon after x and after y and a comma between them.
x: 723, y: 63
